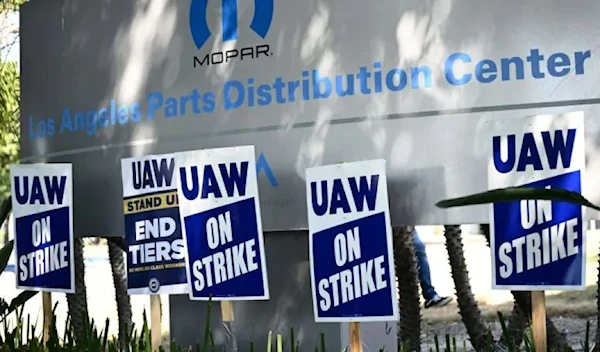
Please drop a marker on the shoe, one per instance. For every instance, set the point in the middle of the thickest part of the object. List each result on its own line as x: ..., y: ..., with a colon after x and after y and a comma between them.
x: 438, y: 301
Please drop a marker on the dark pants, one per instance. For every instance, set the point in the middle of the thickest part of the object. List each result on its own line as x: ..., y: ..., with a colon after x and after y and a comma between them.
x: 424, y: 274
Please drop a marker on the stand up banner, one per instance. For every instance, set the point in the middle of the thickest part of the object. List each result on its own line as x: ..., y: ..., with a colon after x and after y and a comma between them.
x: 538, y: 245
x: 155, y: 247
x: 222, y: 228
x: 351, y: 255
x: 42, y: 205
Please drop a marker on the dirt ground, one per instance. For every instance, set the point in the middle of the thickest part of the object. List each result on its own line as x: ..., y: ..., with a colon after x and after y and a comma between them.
x: 570, y: 312
x: 573, y: 327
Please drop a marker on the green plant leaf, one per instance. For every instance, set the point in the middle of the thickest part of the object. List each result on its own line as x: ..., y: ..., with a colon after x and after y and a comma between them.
x: 511, y: 194
x: 5, y: 254
x: 17, y: 302
x: 5, y: 209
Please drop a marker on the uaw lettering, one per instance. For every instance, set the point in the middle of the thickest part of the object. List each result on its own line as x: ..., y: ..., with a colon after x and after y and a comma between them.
x: 352, y: 272
x: 220, y: 214
x: 155, y: 246
x: 42, y: 199
x: 538, y: 244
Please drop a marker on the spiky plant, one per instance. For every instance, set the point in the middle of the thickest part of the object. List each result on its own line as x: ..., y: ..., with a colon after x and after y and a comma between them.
x: 119, y: 273
x: 468, y: 308
x: 408, y: 285
x: 77, y: 302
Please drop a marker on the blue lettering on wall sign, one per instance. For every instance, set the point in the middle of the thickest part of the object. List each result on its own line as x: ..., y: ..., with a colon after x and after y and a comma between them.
x: 232, y: 177
x: 312, y: 84
x: 150, y: 174
x: 41, y: 190
x: 262, y: 164
x: 555, y: 147
x: 361, y: 192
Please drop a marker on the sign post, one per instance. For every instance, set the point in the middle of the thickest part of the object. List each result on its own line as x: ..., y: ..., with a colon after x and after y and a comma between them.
x: 538, y: 320
x: 47, y: 315
x: 350, y: 245
x: 222, y: 227
x: 42, y: 203
x: 538, y: 245
x: 155, y: 256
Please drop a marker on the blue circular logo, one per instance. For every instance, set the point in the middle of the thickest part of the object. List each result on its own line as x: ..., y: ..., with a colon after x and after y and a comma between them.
x: 154, y: 285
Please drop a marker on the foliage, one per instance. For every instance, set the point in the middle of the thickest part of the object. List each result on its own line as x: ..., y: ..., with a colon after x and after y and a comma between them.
x: 10, y: 5
x: 510, y: 194
x: 5, y: 252
x: 9, y: 122
x: 22, y: 337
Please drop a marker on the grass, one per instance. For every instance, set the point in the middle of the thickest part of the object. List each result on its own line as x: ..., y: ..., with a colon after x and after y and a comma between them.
x: 21, y: 338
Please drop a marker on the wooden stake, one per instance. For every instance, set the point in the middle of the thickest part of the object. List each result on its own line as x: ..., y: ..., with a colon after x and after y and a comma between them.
x: 228, y: 317
x: 47, y: 311
x: 155, y: 322
x: 355, y: 341
x: 227, y: 311
x: 538, y: 320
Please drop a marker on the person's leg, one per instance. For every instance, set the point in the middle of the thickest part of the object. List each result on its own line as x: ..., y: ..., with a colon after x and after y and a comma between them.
x: 432, y: 299
x: 427, y: 288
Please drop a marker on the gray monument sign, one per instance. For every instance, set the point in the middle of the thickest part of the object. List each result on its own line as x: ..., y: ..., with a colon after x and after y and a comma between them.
x: 307, y: 83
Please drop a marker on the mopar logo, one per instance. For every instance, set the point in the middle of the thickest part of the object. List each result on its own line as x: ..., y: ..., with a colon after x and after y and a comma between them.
x: 261, y: 22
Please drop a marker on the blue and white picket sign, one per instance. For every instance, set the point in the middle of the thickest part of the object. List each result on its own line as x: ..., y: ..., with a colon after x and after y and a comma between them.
x: 155, y: 247
x: 537, y: 245
x: 42, y: 206
x: 222, y: 228
x: 350, y: 243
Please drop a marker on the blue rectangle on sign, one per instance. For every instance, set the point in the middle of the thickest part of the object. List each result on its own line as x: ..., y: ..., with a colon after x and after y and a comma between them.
x: 351, y: 270
x: 539, y: 243
x: 155, y: 262
x: 43, y: 249
x: 224, y: 251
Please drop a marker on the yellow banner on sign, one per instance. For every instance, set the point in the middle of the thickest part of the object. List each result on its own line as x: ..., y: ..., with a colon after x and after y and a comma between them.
x: 151, y: 202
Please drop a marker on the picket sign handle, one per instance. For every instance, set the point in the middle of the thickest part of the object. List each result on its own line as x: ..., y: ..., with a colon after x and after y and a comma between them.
x: 47, y: 311
x: 227, y: 311
x: 155, y: 322
x: 355, y: 340
x: 228, y: 317
x: 538, y: 320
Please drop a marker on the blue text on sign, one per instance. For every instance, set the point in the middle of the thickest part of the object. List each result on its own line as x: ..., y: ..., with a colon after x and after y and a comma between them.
x: 370, y: 78
x: 40, y: 190
x: 152, y: 173
x: 233, y: 178
x: 335, y: 197
x: 559, y: 146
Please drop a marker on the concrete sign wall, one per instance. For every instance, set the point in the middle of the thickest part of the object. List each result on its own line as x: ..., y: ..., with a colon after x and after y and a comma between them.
x: 307, y: 83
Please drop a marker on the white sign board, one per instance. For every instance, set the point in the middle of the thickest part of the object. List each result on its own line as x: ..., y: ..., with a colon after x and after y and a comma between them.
x: 222, y: 228
x: 538, y: 245
x: 42, y: 204
x: 350, y: 243
x: 155, y: 247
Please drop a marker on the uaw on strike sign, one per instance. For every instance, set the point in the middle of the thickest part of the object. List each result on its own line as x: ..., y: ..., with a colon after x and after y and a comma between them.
x: 350, y: 243
x: 222, y: 228
x: 42, y: 204
x: 155, y: 247
x: 538, y: 244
